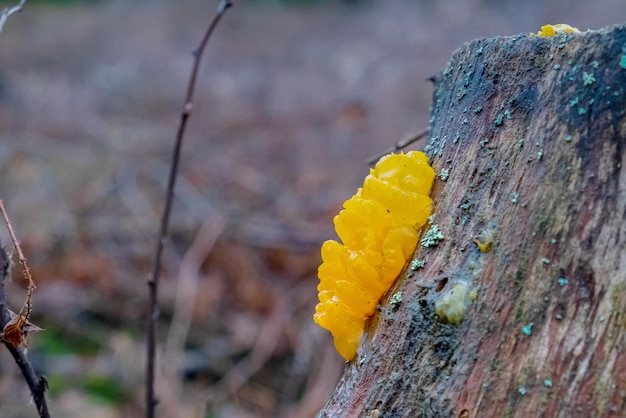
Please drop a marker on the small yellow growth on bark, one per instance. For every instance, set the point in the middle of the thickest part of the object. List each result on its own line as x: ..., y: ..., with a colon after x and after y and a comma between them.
x: 553, y: 30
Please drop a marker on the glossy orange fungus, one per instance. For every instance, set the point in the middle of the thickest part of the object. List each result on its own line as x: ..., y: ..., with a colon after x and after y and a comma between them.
x: 378, y: 227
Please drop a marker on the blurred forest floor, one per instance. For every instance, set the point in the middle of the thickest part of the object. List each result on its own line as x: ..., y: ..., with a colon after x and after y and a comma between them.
x: 290, y: 103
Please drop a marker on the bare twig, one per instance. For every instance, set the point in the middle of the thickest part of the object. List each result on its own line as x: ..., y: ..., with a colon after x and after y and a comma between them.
x: 15, y: 331
x: 8, y: 11
x: 153, y: 281
x: 37, y: 385
x: 26, y: 308
x: 397, y: 146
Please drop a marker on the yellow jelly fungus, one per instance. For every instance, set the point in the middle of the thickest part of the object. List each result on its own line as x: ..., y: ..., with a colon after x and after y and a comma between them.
x: 484, y: 247
x: 484, y: 241
x: 552, y: 30
x: 378, y: 230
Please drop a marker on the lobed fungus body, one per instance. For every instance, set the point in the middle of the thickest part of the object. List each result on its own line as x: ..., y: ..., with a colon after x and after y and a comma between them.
x: 553, y: 30
x: 378, y: 230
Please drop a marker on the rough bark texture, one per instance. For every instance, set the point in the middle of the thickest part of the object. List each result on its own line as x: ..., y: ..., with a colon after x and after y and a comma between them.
x: 533, y: 133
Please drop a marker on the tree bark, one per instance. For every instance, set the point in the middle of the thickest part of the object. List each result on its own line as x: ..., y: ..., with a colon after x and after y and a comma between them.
x: 533, y: 133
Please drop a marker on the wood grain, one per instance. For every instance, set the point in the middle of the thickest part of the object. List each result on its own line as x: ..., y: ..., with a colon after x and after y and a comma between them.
x: 533, y: 133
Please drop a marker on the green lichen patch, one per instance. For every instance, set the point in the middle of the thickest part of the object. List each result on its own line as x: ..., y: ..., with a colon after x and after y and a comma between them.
x: 396, y: 300
x: 588, y: 78
x: 417, y: 264
x: 432, y: 237
x: 528, y: 329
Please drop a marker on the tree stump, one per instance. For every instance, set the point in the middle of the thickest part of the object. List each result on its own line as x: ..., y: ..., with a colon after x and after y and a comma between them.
x: 531, y: 134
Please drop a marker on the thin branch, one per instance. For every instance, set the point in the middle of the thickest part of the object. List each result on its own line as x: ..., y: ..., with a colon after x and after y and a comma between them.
x: 153, y: 281
x: 398, y: 146
x: 36, y: 385
x: 9, y: 11
x: 26, y: 308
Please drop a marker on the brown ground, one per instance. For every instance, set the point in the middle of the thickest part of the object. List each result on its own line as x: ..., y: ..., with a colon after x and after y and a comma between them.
x: 290, y: 103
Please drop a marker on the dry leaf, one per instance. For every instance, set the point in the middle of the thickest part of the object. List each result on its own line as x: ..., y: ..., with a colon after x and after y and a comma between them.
x: 16, y: 331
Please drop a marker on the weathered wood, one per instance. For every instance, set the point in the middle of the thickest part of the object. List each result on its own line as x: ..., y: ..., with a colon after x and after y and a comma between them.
x: 533, y: 133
